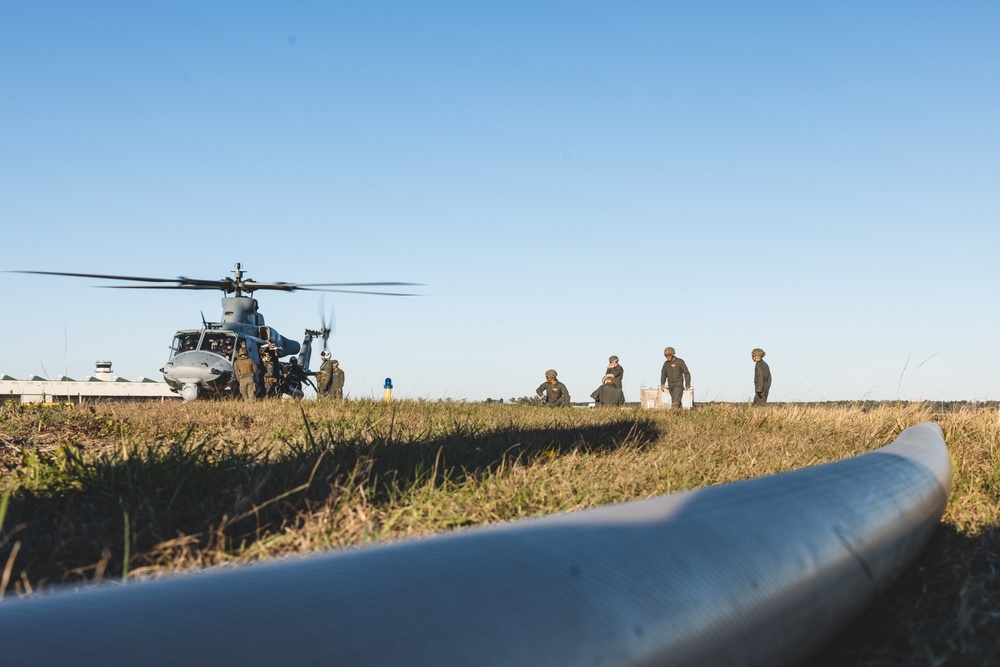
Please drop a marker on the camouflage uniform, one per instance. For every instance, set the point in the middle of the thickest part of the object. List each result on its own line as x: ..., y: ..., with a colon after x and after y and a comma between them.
x: 608, y: 395
x: 337, y: 386
x: 761, y: 378
x: 675, y: 375
x: 271, y: 379
x: 245, y: 370
x: 617, y: 371
x: 555, y: 393
x: 293, y: 377
x: 324, y: 378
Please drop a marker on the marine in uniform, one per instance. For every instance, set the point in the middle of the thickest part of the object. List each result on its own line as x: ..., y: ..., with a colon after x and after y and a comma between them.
x: 337, y: 387
x: 245, y: 370
x: 324, y: 377
x: 615, y: 370
x: 293, y: 376
x: 609, y: 394
x: 761, y: 377
x: 271, y: 379
x: 554, y: 392
x: 674, y: 376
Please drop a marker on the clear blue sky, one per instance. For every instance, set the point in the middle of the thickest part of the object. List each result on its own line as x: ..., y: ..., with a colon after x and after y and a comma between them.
x: 570, y: 180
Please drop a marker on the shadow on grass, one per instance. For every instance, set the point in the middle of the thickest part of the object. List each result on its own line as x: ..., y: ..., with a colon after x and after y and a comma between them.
x: 74, y: 521
x: 943, y: 610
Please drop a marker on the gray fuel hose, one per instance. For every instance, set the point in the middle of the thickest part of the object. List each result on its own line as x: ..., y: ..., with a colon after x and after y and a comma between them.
x: 760, y: 572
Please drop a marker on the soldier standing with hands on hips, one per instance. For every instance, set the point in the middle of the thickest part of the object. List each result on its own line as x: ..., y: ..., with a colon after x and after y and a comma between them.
x: 674, y: 376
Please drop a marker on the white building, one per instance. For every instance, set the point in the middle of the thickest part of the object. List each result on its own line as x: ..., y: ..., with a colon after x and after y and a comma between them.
x: 102, y: 386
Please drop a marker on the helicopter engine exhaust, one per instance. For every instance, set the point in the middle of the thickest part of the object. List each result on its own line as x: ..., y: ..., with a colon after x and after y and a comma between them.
x: 285, y: 346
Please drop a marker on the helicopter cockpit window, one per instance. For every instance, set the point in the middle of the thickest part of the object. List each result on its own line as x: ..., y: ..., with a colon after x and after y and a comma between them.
x: 221, y: 344
x: 185, y: 342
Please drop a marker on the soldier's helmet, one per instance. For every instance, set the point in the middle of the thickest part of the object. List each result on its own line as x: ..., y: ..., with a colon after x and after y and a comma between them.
x: 668, y: 351
x: 757, y: 352
x: 335, y: 362
x: 612, y: 358
x: 550, y: 374
x: 325, y: 355
x: 293, y: 360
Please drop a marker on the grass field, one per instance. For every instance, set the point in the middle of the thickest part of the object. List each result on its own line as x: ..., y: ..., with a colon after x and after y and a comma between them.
x: 122, y: 491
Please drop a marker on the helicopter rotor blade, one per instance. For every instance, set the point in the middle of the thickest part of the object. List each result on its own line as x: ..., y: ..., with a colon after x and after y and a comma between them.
x: 99, y: 275
x: 180, y: 282
x: 251, y: 285
x: 354, y: 291
x: 394, y: 284
x: 175, y: 287
x: 229, y: 285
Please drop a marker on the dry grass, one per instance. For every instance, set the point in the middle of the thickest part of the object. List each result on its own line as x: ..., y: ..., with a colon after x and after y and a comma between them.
x: 136, y: 490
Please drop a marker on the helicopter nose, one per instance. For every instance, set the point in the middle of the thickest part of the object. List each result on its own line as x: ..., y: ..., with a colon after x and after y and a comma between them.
x: 198, y: 369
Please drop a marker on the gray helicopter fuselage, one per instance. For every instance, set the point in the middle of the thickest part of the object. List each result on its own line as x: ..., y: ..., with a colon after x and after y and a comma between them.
x: 241, y: 315
x: 201, y: 360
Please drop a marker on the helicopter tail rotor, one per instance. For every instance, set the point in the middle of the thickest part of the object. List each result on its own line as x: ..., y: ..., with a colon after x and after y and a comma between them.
x: 328, y: 323
x: 326, y: 328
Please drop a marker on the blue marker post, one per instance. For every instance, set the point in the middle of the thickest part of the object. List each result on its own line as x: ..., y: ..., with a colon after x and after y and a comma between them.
x: 388, y: 389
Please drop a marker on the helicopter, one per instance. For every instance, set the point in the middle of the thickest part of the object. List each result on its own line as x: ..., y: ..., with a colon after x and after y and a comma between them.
x: 201, y: 360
